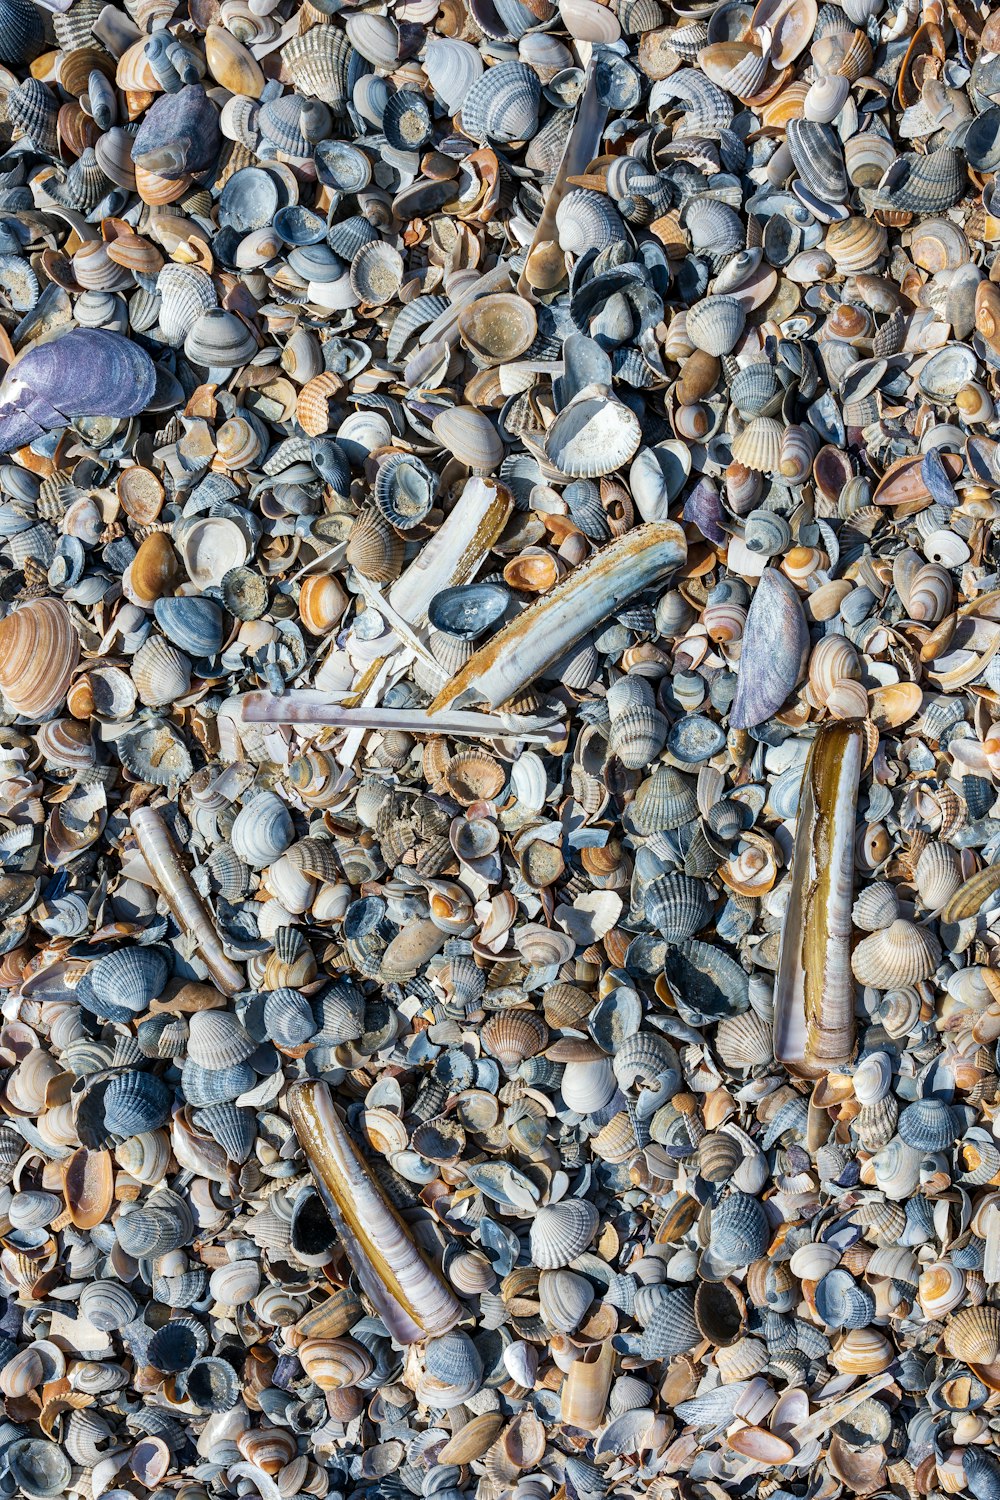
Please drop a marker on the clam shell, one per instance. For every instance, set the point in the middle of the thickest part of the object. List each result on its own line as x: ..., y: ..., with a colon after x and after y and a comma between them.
x: 39, y: 650
x: 770, y: 672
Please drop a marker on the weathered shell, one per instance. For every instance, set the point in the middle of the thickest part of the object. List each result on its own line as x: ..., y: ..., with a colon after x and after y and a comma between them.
x: 263, y: 830
x: 769, y: 671
x: 715, y: 324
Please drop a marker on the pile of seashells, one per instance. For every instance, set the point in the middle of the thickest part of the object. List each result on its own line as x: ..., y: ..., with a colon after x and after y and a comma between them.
x: 499, y: 749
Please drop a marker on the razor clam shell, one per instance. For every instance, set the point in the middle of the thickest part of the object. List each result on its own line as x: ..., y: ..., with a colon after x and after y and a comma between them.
x: 554, y: 623
x: 408, y: 1295
x: 814, y: 990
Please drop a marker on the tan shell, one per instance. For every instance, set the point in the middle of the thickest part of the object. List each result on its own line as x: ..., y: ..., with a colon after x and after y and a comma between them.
x: 38, y: 650
x: 897, y: 956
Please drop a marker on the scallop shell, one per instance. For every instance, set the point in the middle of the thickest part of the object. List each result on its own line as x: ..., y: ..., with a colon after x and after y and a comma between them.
x: 587, y: 220
x: 973, y: 1334
x: 453, y: 67
x: 502, y: 105
x: 562, y: 1231
x: 896, y: 956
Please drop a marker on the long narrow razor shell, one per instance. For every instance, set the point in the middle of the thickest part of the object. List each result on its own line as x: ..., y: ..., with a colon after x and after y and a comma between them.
x: 522, y: 650
x: 814, y: 993
x: 408, y: 1295
x: 174, y: 884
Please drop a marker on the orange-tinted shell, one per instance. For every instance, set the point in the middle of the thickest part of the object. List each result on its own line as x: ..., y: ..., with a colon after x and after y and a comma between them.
x: 38, y: 650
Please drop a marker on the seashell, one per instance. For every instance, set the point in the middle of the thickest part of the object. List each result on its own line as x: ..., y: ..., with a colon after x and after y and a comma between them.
x: 502, y: 104
x: 973, y: 1334
x: 937, y: 874
x: 862, y: 1351
x: 768, y: 676
x: 924, y: 184
x: 404, y: 490
x: 262, y: 830
x: 743, y: 1042
x: 39, y: 1467
x: 565, y: 1299
x: 562, y: 1231
x: 230, y: 63
x: 333, y: 1364
x: 161, y: 673
x: 940, y: 1290
x: 876, y: 907
x: 498, y: 328
x: 927, y: 1125
x: 672, y: 1327
x: 193, y: 624
x: 178, y: 135
x: 587, y: 220
x: 813, y: 1022
x: 715, y: 324
x: 511, y: 1036
x: 470, y: 437
x: 740, y: 1233
x: 39, y: 650
x: 452, y: 66
x: 453, y: 1370
x: 318, y: 63
x: 896, y: 956
x: 377, y: 1236
x: 678, y: 906
x: 219, y: 339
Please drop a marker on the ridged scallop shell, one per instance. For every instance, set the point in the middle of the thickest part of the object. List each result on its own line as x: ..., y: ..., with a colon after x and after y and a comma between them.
x: 502, y: 105
x: 744, y: 1042
x: 671, y: 1327
x: 562, y: 1231
x: 587, y: 220
x: 217, y: 1040
x: 678, y: 906
x: 928, y: 1125
x: 513, y: 1035
x: 161, y: 673
x: 938, y: 874
x: 759, y: 445
x: 924, y: 184
x: 135, y: 1103
x: 740, y: 1233
x: 318, y: 63
x: 898, y: 955
x: 185, y: 292
x: 876, y: 907
x: 715, y: 324
x: 973, y: 1335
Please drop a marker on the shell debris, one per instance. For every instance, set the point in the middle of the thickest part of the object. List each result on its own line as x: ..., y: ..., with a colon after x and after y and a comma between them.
x: 499, y: 749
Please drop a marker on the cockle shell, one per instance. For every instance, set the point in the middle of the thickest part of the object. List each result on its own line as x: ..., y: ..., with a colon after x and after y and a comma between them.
x: 562, y: 1231
x: 895, y: 956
